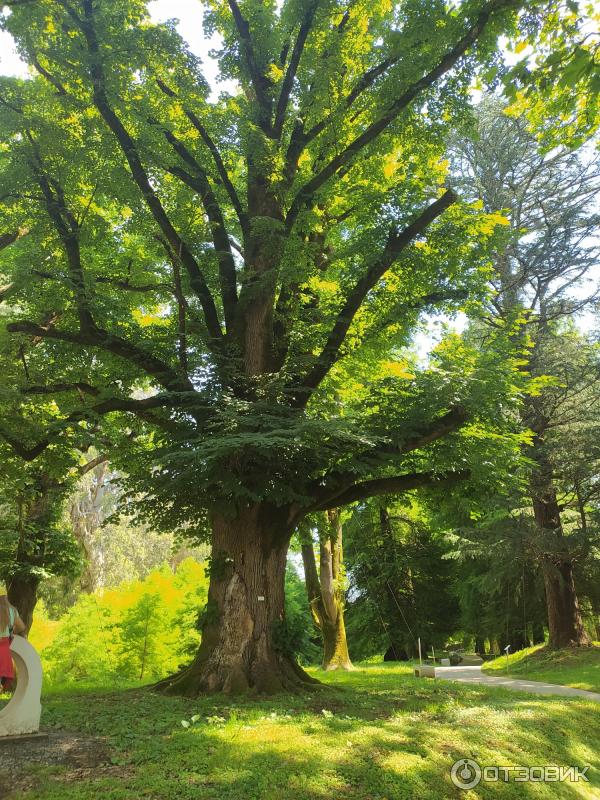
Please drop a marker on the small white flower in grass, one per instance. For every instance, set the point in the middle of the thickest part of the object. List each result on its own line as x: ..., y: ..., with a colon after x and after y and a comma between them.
x: 326, y: 713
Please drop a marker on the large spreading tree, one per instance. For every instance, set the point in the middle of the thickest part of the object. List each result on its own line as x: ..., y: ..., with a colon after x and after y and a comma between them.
x: 212, y: 267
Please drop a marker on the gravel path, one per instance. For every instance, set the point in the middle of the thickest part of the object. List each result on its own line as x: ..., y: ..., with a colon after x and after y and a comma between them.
x: 74, y: 755
x: 476, y: 675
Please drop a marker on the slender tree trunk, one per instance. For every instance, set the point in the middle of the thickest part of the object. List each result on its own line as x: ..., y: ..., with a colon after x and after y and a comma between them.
x: 239, y: 649
x: 87, y: 515
x: 326, y: 592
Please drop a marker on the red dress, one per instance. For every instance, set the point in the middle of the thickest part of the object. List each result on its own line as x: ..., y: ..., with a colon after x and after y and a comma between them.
x: 7, y: 669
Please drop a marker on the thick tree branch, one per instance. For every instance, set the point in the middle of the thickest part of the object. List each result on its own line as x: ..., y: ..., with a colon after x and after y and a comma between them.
x: 57, y: 388
x: 396, y: 243
x: 200, y: 183
x: 68, y: 230
x: 197, y: 280
x: 307, y: 192
x: 7, y: 239
x: 214, y: 151
x: 261, y: 84
x: 396, y: 484
x: 300, y: 138
x: 24, y: 452
x: 95, y: 462
x: 431, y: 432
x: 164, y: 374
x: 290, y: 74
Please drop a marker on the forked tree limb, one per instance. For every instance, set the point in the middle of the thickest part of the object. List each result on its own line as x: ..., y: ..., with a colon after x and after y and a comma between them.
x: 306, y: 194
x: 128, y: 146
x: 165, y: 375
x: 396, y: 243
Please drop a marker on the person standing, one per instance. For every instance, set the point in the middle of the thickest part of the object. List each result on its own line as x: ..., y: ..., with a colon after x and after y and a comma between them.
x: 10, y: 623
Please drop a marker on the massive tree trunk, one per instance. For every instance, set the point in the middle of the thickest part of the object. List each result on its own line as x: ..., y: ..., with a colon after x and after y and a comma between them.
x: 326, y: 592
x: 241, y: 648
x: 565, y: 624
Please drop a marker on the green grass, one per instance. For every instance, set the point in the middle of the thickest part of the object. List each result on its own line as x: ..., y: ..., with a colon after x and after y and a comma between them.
x: 577, y: 667
x: 374, y: 734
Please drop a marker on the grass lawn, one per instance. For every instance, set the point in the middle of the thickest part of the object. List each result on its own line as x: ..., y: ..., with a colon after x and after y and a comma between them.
x: 375, y: 734
x: 577, y: 667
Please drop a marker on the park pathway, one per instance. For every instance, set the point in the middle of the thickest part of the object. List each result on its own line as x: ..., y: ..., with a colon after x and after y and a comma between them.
x: 476, y: 675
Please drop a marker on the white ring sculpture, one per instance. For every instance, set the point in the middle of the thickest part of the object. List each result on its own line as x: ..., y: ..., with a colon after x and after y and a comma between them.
x: 22, y: 714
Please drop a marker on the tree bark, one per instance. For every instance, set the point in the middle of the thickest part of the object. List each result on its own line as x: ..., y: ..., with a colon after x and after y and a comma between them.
x: 326, y: 592
x: 565, y: 623
x: 240, y: 648
x: 23, y: 595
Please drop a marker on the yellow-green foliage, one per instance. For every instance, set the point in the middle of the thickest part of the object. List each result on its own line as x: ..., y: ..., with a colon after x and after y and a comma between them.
x: 140, y: 630
x: 44, y: 630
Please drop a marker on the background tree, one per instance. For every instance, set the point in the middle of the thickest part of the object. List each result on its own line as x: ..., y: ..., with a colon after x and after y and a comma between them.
x: 325, y: 586
x: 550, y: 251
x: 402, y: 587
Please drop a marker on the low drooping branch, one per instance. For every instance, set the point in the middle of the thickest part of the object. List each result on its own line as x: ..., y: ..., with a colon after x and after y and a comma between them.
x: 396, y: 243
x: 390, y: 485
x: 139, y: 407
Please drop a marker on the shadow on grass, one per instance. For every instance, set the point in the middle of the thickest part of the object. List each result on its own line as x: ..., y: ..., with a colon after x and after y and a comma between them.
x: 377, y: 734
